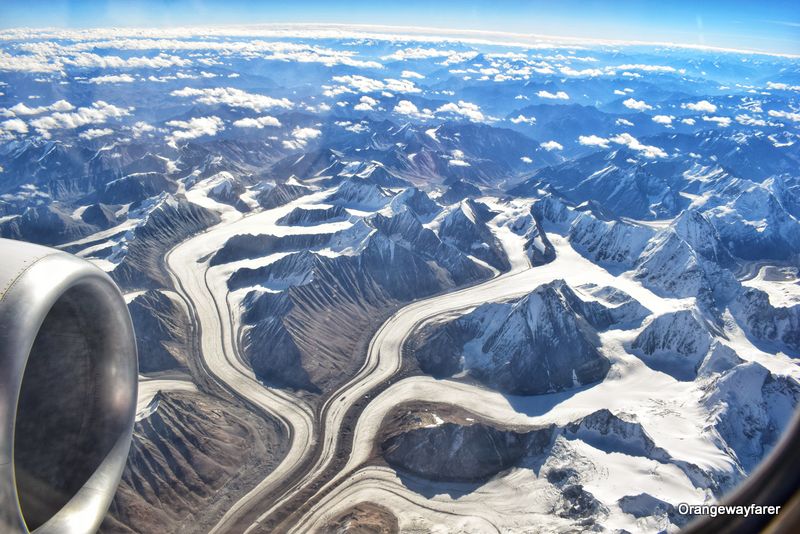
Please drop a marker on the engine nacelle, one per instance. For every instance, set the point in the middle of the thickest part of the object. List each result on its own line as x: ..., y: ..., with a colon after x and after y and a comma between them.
x: 68, y: 385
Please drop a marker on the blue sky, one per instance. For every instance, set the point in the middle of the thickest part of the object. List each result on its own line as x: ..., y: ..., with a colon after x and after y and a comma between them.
x: 757, y: 25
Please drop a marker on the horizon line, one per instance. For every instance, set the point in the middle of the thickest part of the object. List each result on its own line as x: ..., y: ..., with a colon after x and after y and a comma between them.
x: 418, y: 33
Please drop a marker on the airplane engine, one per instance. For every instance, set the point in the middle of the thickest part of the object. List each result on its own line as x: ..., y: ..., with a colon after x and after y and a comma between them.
x: 68, y: 385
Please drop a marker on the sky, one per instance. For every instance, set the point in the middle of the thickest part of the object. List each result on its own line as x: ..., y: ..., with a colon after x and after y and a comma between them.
x: 769, y: 26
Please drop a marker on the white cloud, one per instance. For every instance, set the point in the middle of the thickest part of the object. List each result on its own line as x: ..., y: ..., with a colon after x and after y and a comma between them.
x: 625, y: 139
x: 185, y: 39
x: 300, y: 137
x: 747, y: 120
x: 663, y: 119
x: 775, y: 86
x: 94, y: 133
x: 22, y: 109
x: 623, y: 122
x: 406, y: 107
x: 792, y: 116
x: 458, y: 163
x: 98, y: 113
x: 569, y: 71
x: 113, y: 78
x: 722, y: 122
x: 638, y: 105
x: 703, y: 106
x: 15, y: 126
x: 552, y: 145
x: 465, y: 109
x: 689, y: 122
x: 160, y: 79
x: 520, y: 119
x: 648, y: 68
x: 257, y: 122
x: 366, y: 103
x: 27, y: 63
x: 350, y: 127
x: 141, y: 128
x: 363, y: 84
x: 631, y: 142
x: 526, y: 159
x: 593, y: 140
x: 194, y: 128
x: 560, y: 95
x: 305, y: 133
x: 451, y: 56
x: 90, y: 60
x: 235, y: 98
x: 411, y: 74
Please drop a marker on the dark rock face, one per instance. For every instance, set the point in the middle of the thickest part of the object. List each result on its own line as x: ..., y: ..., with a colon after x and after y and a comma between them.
x: 293, y: 270
x: 750, y: 409
x: 417, y: 201
x: 614, y: 307
x: 619, y: 182
x: 322, y: 162
x: 249, y: 246
x: 172, y: 220
x: 161, y: 329
x: 281, y: 194
x: 411, y: 260
x: 577, y: 503
x: 674, y: 343
x: 542, y: 343
x: 645, y: 505
x: 297, y: 338
x: 464, y: 452
x: 136, y: 187
x: 767, y: 323
x: 486, y: 452
x: 553, y: 210
x: 756, y: 224
x: 272, y: 352
x: 396, y: 260
x: 376, y: 173
x: 442, y: 442
x: 458, y: 190
x: 99, y: 215
x: 45, y: 225
x: 465, y: 228
x: 305, y: 217
x: 186, y: 462
x: 364, y: 518
x: 671, y: 267
x: 537, y: 246
x: 698, y: 232
x: 609, y: 243
x: 359, y: 193
x: 613, y: 433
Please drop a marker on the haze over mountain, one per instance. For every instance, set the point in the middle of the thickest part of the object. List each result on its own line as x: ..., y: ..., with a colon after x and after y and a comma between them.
x: 397, y: 282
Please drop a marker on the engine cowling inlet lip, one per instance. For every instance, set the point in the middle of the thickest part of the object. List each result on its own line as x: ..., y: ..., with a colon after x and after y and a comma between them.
x: 32, y: 280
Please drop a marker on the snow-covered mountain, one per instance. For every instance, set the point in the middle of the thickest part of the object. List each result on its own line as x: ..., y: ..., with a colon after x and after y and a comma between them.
x: 544, y: 342
x: 413, y: 282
